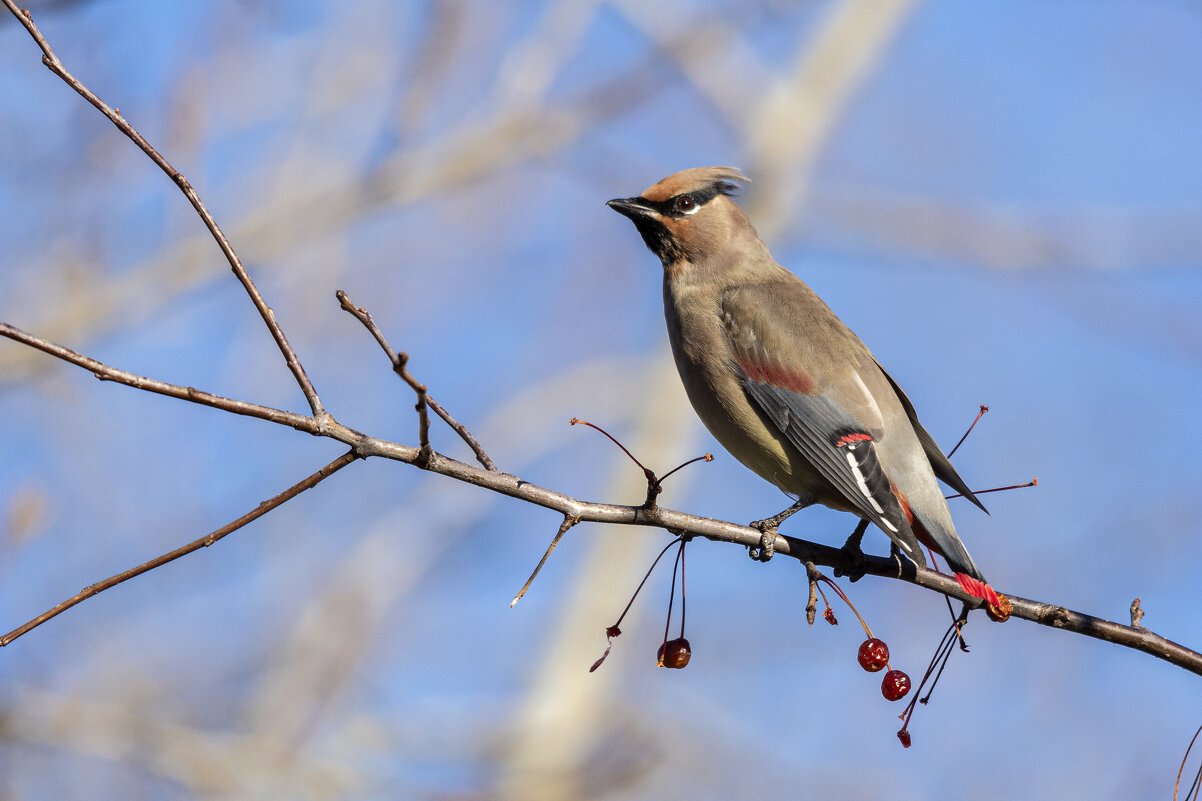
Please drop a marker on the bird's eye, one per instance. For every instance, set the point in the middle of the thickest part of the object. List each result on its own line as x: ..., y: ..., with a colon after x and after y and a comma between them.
x: 685, y: 204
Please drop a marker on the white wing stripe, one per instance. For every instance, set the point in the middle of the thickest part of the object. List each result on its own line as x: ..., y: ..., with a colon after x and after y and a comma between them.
x: 863, y: 485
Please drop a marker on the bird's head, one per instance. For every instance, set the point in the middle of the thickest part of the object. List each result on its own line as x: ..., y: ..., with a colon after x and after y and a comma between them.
x: 689, y: 215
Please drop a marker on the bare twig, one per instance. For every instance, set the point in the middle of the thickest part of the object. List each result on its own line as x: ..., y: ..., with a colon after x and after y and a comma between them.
x: 654, y: 484
x: 204, y: 542
x: 114, y: 115
x: 812, y: 603
x: 399, y: 366
x: 106, y: 373
x: 708, y: 457
x: 423, y: 412
x: 463, y: 433
x: 567, y: 523
x: 400, y: 362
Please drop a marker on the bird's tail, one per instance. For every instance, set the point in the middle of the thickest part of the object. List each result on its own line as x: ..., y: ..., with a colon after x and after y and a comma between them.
x: 978, y: 588
x: 967, y: 574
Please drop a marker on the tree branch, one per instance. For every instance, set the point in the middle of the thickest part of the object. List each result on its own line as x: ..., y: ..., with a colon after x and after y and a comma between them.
x: 106, y: 373
x: 204, y: 542
x: 400, y: 362
x: 114, y: 115
x: 363, y: 446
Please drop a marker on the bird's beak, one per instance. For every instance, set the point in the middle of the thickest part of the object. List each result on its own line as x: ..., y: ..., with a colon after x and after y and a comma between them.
x: 632, y: 207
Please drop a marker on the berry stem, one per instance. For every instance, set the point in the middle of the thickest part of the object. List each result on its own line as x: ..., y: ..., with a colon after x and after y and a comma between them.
x: 683, y: 598
x: 976, y: 420
x: 847, y: 601
x: 644, y: 581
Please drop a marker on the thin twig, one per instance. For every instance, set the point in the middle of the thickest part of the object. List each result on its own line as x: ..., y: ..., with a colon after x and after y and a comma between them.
x: 654, y: 487
x: 615, y: 630
x: 463, y: 433
x: 105, y: 372
x: 204, y: 542
x: 812, y: 602
x: 400, y: 362
x: 114, y: 115
x: 830, y: 583
x: 642, y: 583
x: 567, y: 523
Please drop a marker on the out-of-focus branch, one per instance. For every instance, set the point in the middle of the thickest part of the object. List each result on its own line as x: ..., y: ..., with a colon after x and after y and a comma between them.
x: 786, y: 126
x: 114, y: 115
x: 794, y: 121
x: 467, y: 153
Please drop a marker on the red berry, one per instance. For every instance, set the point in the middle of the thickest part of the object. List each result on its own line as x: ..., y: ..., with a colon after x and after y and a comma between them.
x: 904, y: 736
x: 674, y: 653
x: 874, y: 655
x: 895, y: 686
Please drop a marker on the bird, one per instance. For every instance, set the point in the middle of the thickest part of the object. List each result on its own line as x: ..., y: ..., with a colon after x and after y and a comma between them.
x: 784, y: 385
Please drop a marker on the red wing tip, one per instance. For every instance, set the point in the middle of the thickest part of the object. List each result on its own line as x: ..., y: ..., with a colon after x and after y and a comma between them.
x: 978, y: 589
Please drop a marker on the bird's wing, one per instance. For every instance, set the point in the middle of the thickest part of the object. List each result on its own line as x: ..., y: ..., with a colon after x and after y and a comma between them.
x: 939, y: 462
x: 811, y: 392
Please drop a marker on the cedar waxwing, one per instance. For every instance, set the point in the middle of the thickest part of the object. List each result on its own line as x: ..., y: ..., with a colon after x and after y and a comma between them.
x: 782, y: 383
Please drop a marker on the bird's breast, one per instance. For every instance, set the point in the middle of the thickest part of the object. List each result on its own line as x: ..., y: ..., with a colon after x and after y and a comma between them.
x: 704, y: 358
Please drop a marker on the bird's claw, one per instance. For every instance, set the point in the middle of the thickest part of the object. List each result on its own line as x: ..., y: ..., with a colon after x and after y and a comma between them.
x: 767, y: 547
x: 773, y: 523
x: 855, y: 553
x: 856, y: 571
x: 768, y: 530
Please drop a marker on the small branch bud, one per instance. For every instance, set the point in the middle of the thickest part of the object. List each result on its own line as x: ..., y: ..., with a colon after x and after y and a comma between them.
x: 1137, y: 614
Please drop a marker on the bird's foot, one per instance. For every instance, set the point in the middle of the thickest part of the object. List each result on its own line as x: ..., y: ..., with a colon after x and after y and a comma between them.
x: 774, y: 522
x: 767, y: 547
x: 855, y: 553
x: 768, y: 531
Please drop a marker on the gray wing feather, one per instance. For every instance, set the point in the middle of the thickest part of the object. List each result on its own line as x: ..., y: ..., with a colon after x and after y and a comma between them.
x: 812, y: 424
x: 939, y: 462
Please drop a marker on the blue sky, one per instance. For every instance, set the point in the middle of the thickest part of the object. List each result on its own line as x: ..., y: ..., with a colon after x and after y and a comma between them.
x: 1004, y: 207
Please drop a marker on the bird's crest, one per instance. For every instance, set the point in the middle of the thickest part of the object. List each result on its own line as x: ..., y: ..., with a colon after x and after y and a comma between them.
x: 720, y: 180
